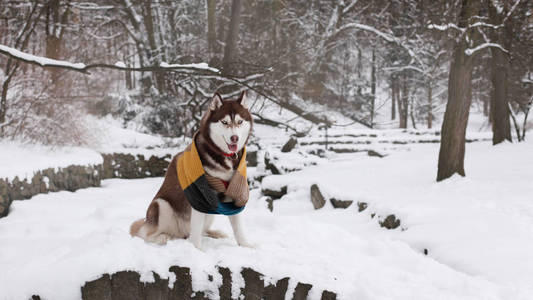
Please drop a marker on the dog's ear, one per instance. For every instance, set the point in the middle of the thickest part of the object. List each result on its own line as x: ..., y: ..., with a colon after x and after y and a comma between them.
x: 216, y: 102
x: 242, y: 100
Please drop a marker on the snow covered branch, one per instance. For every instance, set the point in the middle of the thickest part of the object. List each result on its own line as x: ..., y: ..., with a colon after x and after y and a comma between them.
x: 471, y: 51
x: 383, y: 35
x: 446, y: 27
x: 200, y: 68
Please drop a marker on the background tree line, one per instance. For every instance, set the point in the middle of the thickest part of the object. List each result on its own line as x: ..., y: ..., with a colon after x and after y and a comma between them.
x: 355, y: 56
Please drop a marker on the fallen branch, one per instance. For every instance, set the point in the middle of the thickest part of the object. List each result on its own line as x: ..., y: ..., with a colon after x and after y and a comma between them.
x: 265, y: 121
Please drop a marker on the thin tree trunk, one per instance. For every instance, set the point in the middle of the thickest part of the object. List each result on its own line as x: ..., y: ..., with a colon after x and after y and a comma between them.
x: 393, y: 98
x: 154, y: 53
x: 452, y: 146
x: 430, y: 105
x: 526, y: 113
x: 373, y: 87
x: 515, y: 123
x: 500, y: 64
x: 211, y: 27
x: 501, y: 127
x: 404, y: 101
x: 233, y: 35
x: 485, y: 107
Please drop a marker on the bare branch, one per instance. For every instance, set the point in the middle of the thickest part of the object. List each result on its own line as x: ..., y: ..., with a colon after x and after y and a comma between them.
x: 471, y: 51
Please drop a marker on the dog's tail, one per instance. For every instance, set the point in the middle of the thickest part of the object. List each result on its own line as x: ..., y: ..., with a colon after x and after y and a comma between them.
x: 145, y: 227
x: 136, y: 227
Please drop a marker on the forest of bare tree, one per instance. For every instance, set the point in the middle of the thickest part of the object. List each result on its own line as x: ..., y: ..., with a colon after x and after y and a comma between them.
x: 419, y: 58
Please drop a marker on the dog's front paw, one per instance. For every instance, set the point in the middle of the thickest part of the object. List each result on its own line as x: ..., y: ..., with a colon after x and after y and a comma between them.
x: 216, y: 234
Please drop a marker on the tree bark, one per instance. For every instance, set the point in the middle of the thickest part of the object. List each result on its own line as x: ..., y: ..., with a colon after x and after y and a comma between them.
x: 211, y: 27
x: 233, y: 35
x: 393, y: 98
x: 430, y: 105
x: 154, y: 53
x: 404, y: 103
x: 453, y: 132
x: 500, y: 65
x: 373, y: 87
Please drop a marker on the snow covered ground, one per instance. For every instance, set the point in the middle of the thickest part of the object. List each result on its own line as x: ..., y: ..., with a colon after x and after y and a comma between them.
x: 478, y: 231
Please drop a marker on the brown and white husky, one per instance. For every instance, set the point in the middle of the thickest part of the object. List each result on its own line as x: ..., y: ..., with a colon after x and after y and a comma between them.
x: 224, y: 131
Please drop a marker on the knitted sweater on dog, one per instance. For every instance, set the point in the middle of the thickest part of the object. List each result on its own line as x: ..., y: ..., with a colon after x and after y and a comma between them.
x: 202, y: 191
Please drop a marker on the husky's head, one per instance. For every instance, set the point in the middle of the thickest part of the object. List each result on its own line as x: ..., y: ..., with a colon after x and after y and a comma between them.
x: 228, y: 123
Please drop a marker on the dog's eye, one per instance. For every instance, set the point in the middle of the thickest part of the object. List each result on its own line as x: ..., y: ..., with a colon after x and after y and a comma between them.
x: 239, y: 122
x: 224, y: 122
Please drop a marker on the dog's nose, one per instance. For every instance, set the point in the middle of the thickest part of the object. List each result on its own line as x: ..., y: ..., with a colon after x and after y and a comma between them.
x: 234, y: 138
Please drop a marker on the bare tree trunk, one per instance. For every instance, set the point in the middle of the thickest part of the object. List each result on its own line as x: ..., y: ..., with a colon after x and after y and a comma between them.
x: 233, y: 35
x: 55, y: 27
x: 430, y: 105
x: 501, y: 127
x: 154, y: 53
x: 404, y: 101
x: 373, y: 87
x: 485, y: 107
x: 500, y: 64
x: 452, y: 146
x: 211, y: 27
x: 524, y: 125
x: 393, y: 98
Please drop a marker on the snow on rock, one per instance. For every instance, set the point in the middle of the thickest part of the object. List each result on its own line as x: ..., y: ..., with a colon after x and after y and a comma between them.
x: 23, y: 160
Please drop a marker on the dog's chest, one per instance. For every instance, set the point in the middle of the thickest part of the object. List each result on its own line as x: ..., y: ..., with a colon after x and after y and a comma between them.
x: 216, y: 170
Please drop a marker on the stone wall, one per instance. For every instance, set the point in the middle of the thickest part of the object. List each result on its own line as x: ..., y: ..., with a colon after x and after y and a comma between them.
x: 74, y: 177
x: 70, y: 178
x: 127, y: 285
x: 128, y: 166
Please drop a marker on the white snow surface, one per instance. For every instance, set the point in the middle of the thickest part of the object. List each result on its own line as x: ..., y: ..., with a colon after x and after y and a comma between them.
x: 478, y: 231
x: 23, y: 160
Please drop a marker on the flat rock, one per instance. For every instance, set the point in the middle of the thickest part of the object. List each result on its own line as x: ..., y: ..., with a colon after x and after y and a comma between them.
x: 340, y: 203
